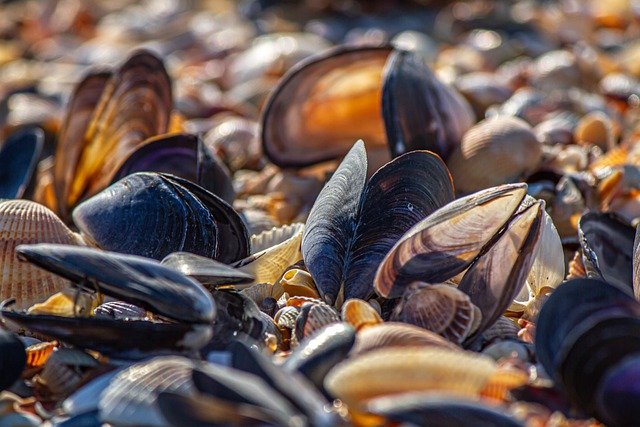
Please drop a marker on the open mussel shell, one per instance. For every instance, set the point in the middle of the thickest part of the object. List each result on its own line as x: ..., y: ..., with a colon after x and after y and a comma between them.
x: 206, y: 271
x: 495, y: 151
x: 354, y: 223
x: 173, y: 214
x: 182, y: 155
x: 140, y: 281
x: 22, y: 222
x: 19, y: 157
x: 13, y: 359
x: 449, y: 240
x: 607, y: 247
x: 319, y: 100
x: 80, y: 110
x: 433, y: 410
x: 573, y: 309
x: 134, y: 105
x: 420, y: 112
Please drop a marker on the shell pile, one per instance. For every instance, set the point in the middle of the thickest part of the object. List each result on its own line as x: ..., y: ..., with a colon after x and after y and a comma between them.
x: 320, y: 213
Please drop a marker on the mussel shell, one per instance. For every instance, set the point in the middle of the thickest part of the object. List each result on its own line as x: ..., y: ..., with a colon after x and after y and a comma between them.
x: 80, y: 109
x: 302, y: 110
x: 140, y: 281
x: 430, y: 410
x: 183, y: 155
x: 607, y: 247
x: 237, y: 317
x: 617, y: 395
x: 420, y: 112
x: 19, y: 157
x: 13, y: 359
x: 135, y: 105
x: 571, y: 304
x: 126, y: 339
x: 146, y: 214
x: 320, y: 352
x: 447, y: 241
x: 352, y: 225
x: 205, y: 270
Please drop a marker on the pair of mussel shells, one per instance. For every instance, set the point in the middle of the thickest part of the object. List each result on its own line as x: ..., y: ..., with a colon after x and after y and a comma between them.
x: 385, y: 96
x: 588, y: 340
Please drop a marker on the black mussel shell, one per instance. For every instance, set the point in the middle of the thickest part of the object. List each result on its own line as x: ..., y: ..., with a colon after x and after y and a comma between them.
x: 320, y: 352
x: 132, y: 339
x: 238, y: 317
x: 571, y: 305
x: 420, y: 112
x: 618, y: 394
x: 19, y: 157
x: 607, y: 247
x: 440, y: 411
x: 13, y: 359
x: 182, y: 155
x: 293, y: 387
x: 206, y: 271
x: 354, y: 223
x: 140, y: 281
x: 237, y: 386
x: 636, y: 264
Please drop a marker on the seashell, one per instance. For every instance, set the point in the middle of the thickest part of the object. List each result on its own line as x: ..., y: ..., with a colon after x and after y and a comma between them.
x: 297, y: 282
x: 137, y: 280
x: 492, y: 209
x: 320, y: 352
x: 557, y: 130
x: 13, y: 358
x: 183, y: 155
x: 269, y: 264
x: 23, y: 221
x: 80, y: 110
x: 595, y: 128
x: 63, y: 371
x: 359, y: 314
x: 346, y: 236
x: 134, y: 105
x: 312, y: 317
x: 482, y: 90
x: 206, y: 271
x: 502, y: 329
x: 131, y: 397
x: 275, y: 236
x: 390, y: 371
x: 260, y: 291
x: 119, y: 310
x: 414, y: 408
x: 395, y: 334
x: 319, y: 100
x: 38, y: 354
x: 495, y: 151
x: 439, y: 308
x: 176, y: 214
x: 236, y: 141
x: 257, y: 220
x: 68, y: 303
x: 607, y: 248
x: 554, y: 70
x: 619, y: 86
x: 286, y: 317
x: 19, y: 157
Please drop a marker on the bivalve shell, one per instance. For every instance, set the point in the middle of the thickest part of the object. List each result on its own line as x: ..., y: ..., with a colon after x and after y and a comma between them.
x: 360, y: 314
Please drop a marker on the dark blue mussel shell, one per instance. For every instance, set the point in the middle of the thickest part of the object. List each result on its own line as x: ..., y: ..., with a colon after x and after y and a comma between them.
x: 19, y: 156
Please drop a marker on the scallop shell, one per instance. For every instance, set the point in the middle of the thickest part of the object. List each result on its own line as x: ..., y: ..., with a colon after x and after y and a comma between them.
x: 258, y: 292
x: 595, y: 128
x: 360, y: 314
x: 61, y: 374
x: 314, y: 316
x: 21, y: 222
x: 392, y: 371
x: 495, y: 151
x: 269, y: 264
x: 395, y: 334
x: 439, y: 308
x: 275, y: 236
x: 298, y: 282
x: 286, y: 317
